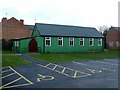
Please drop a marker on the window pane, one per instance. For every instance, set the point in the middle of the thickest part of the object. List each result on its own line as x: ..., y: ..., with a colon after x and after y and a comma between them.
x: 71, y: 43
x: 60, y: 41
x: 91, y: 41
x: 99, y: 42
x: 47, y: 41
x: 81, y: 41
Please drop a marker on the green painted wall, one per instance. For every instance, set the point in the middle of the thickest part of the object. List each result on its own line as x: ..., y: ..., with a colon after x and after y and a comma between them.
x: 24, y: 45
x: 76, y: 48
x: 35, y: 33
x: 54, y: 48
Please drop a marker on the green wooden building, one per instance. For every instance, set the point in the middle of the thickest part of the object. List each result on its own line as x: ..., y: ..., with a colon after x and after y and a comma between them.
x: 52, y: 38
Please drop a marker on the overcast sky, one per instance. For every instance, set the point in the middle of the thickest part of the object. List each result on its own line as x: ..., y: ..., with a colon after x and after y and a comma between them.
x: 89, y: 13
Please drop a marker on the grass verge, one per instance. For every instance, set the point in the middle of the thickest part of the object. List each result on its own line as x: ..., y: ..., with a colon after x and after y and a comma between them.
x: 8, y: 52
x: 14, y: 61
x: 77, y: 56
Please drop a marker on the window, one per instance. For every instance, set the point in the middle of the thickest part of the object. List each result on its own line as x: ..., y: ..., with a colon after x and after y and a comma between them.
x: 16, y: 43
x: 81, y: 41
x: 110, y: 44
x: 71, y: 41
x: 91, y: 41
x: 99, y: 42
x: 117, y: 44
x: 47, y: 41
x: 60, y: 41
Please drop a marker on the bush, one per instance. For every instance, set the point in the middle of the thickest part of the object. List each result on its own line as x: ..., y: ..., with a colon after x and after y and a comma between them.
x: 7, y: 45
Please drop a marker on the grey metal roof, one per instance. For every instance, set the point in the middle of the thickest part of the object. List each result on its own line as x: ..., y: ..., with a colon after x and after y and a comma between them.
x: 66, y: 30
x: 31, y: 27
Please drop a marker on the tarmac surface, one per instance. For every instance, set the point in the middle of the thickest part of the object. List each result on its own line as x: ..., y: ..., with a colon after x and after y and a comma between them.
x: 76, y: 74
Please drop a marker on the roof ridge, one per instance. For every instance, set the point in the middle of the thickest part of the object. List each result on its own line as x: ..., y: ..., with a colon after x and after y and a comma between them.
x: 65, y: 25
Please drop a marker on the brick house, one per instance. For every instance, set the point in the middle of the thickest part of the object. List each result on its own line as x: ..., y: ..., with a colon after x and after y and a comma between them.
x: 113, y: 38
x: 13, y: 28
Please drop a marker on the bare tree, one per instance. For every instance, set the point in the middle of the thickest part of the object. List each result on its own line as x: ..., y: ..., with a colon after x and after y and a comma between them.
x: 103, y: 29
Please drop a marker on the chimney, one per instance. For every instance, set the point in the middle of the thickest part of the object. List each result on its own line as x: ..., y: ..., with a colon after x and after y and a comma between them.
x: 21, y: 21
x: 4, y: 20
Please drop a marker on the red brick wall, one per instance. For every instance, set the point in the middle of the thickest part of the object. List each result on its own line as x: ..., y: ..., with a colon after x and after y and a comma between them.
x: 13, y: 28
x: 113, y: 37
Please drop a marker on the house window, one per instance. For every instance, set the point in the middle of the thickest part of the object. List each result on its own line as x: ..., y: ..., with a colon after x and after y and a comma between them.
x: 91, y: 41
x: 110, y: 44
x: 81, y: 41
x: 47, y: 41
x: 60, y: 41
x: 99, y: 42
x: 71, y: 41
x: 16, y: 43
x: 117, y: 44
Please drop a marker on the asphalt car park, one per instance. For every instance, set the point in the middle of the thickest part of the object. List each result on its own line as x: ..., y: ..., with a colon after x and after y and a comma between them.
x: 76, y: 74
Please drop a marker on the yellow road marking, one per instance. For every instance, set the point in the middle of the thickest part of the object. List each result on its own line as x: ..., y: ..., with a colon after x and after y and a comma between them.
x: 63, y: 69
x: 82, y: 76
x: 75, y: 74
x: 11, y: 82
x: 61, y: 66
x: 5, y: 67
x: 47, y: 65
x: 20, y: 75
x: 8, y: 75
x: 16, y: 85
x: 6, y: 70
x: 44, y: 77
x: 91, y: 70
x: 54, y: 67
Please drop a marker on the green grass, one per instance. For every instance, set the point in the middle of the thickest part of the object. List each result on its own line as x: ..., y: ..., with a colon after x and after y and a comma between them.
x: 14, y: 61
x: 76, y: 56
x: 8, y: 52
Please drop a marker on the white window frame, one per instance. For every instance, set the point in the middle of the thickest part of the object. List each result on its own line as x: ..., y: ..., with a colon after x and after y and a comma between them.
x: 47, y: 39
x: 16, y: 43
x: 71, y: 40
x: 117, y: 44
x: 99, y: 39
x: 60, y: 39
x: 92, y: 41
x: 82, y: 41
x: 111, y: 44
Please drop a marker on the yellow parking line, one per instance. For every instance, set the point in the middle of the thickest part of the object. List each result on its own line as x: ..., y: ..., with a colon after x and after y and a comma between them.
x: 20, y: 75
x: 70, y: 69
x: 63, y: 69
x: 54, y: 67
x: 75, y: 74
x: 5, y: 67
x: 82, y: 76
x: 8, y: 75
x: 11, y: 82
x: 16, y: 85
x: 47, y: 65
x: 6, y: 70
x: 61, y: 66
